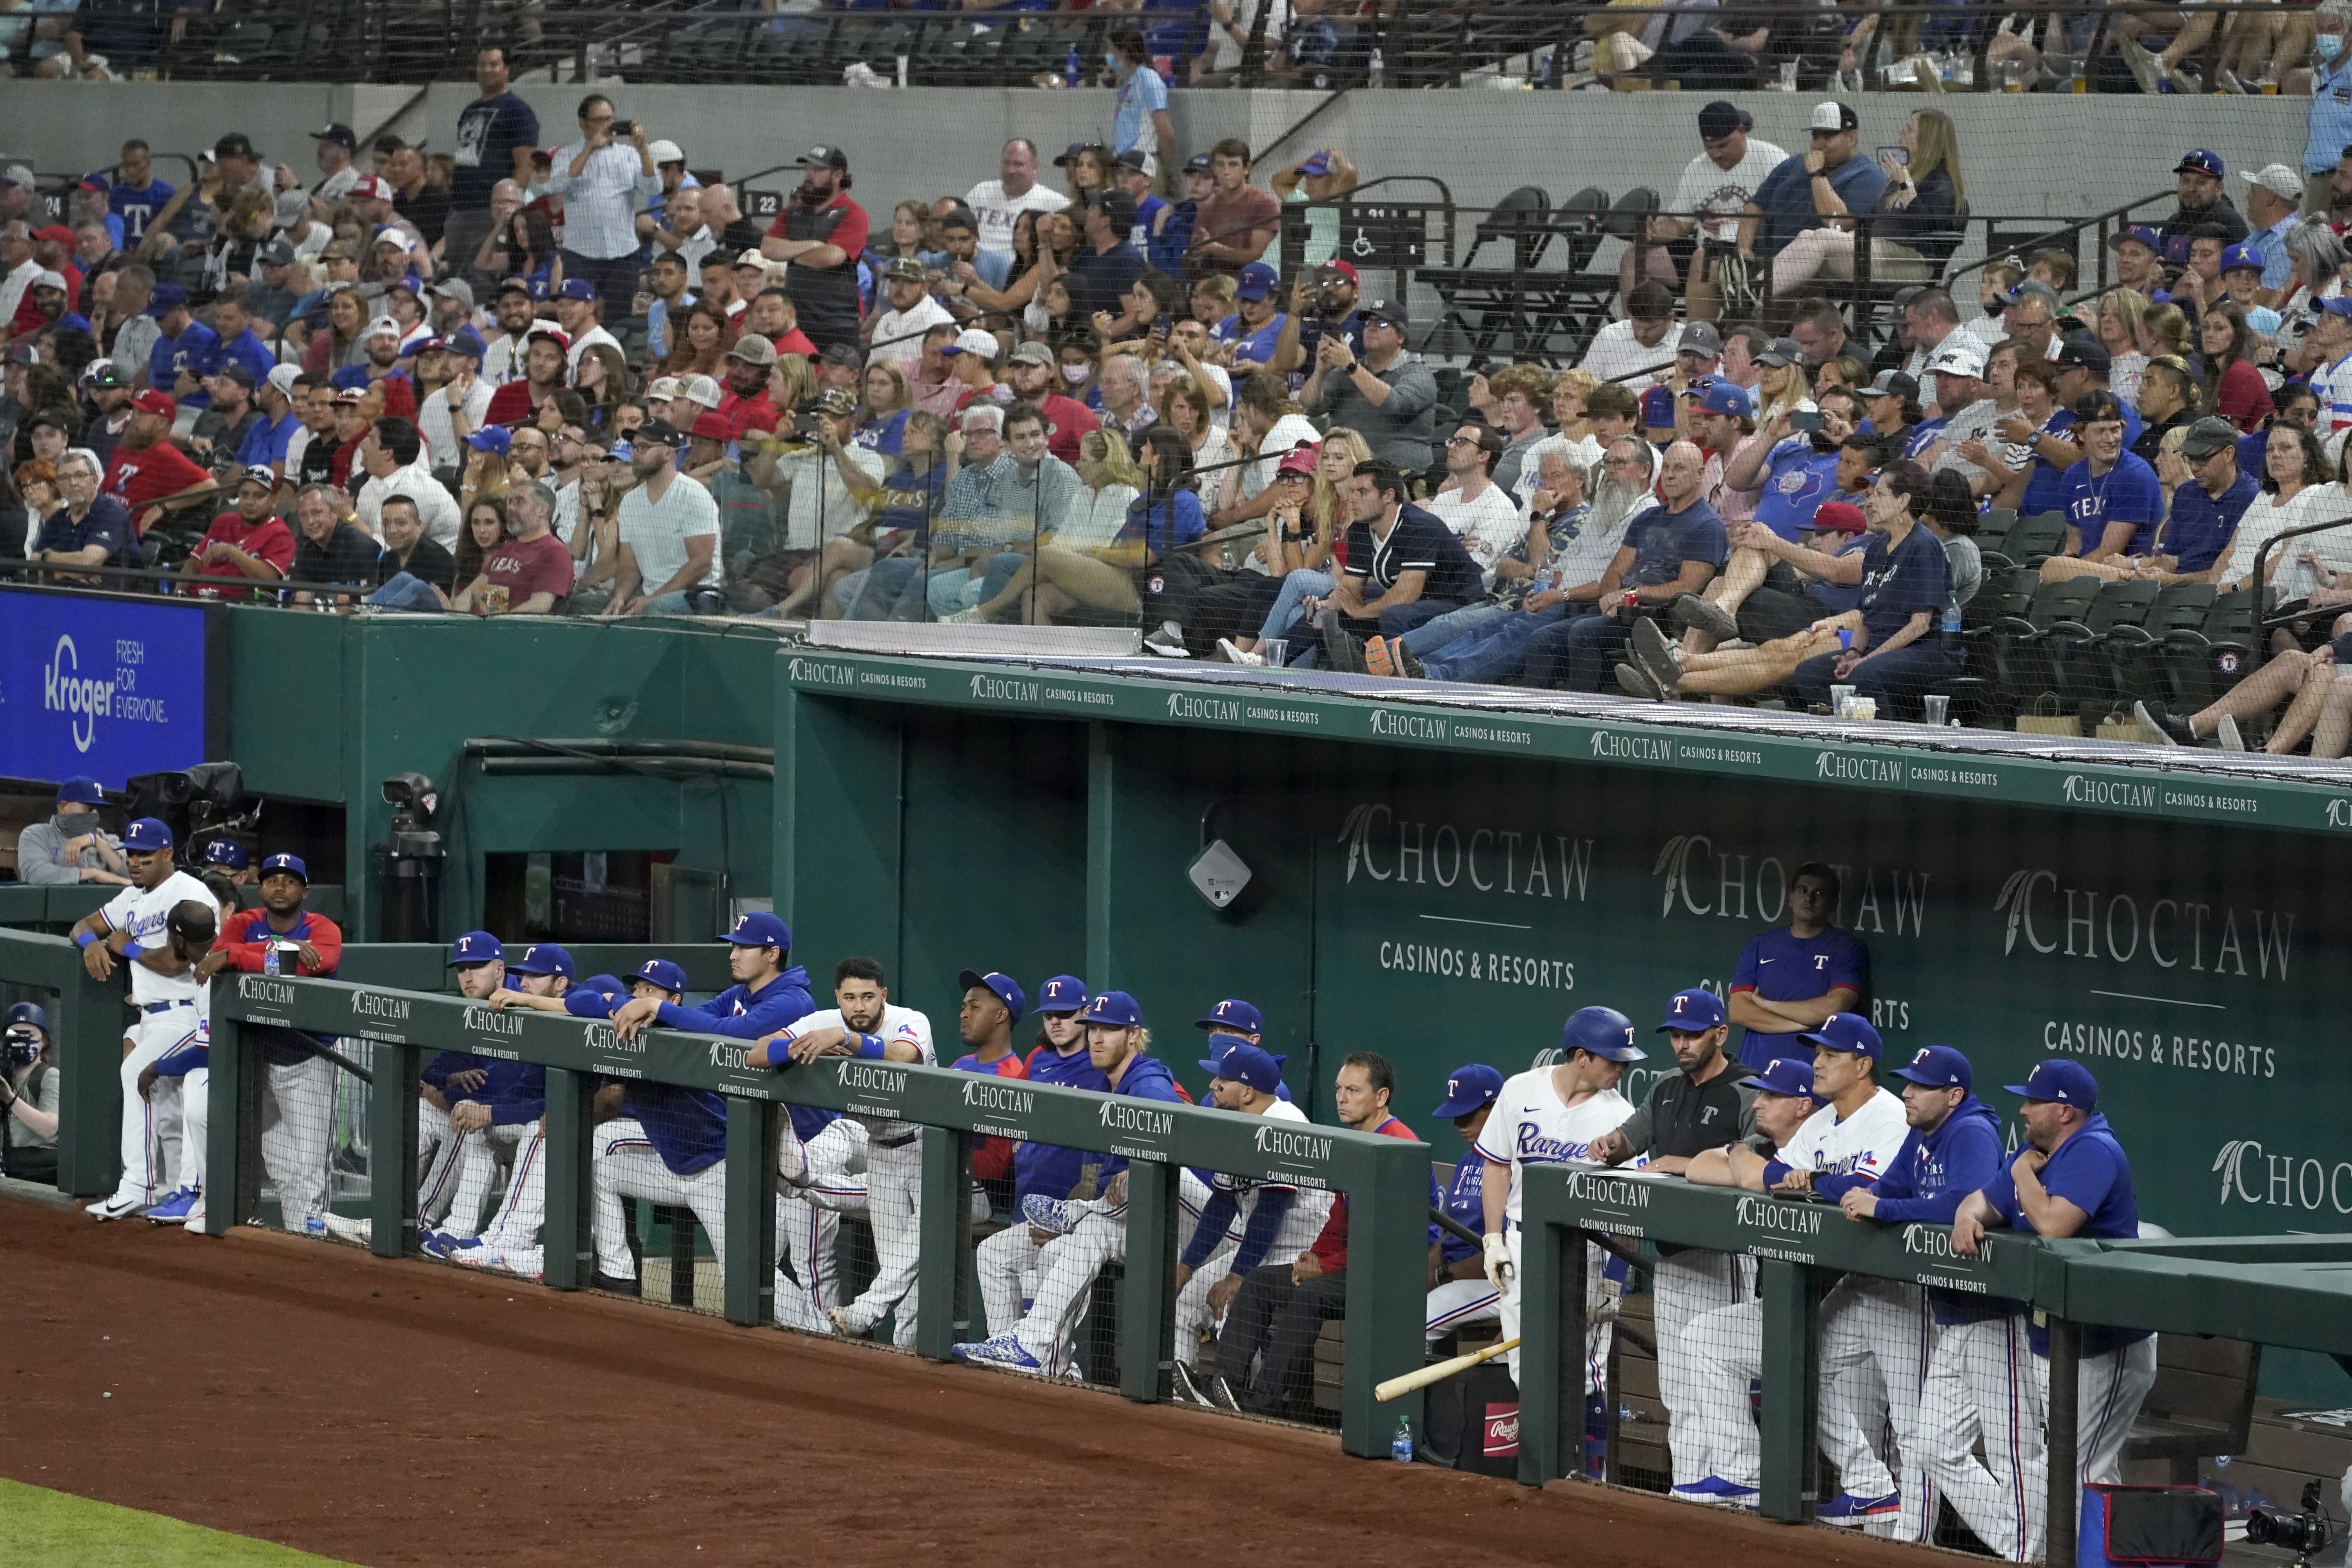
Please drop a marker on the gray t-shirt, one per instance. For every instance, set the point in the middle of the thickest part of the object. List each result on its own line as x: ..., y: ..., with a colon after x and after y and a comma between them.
x: 43, y: 1098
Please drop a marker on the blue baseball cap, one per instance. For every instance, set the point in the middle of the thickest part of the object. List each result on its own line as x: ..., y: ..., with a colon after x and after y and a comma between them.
x: 1848, y: 1032
x: 1320, y: 164
x: 1602, y: 1032
x: 27, y: 1013
x: 1254, y: 282
x: 475, y: 947
x: 1938, y: 1067
x: 2137, y: 234
x: 1062, y: 994
x: 289, y: 864
x: 467, y: 341
x: 1115, y: 1009
x: 761, y: 929
x: 1728, y: 397
x: 146, y: 835
x: 606, y: 984
x: 1003, y: 986
x: 491, y: 438
x: 661, y: 972
x: 1791, y: 1075
x: 1692, y: 1012
x: 1233, y: 1015
x: 225, y: 852
x: 166, y: 297
x: 1467, y: 1088
x: 576, y: 288
x: 1658, y: 409
x: 2337, y: 304
x: 2062, y: 1080
x: 2199, y: 161
x: 542, y: 958
x: 2240, y: 254
x: 1235, y: 1060
x: 81, y: 790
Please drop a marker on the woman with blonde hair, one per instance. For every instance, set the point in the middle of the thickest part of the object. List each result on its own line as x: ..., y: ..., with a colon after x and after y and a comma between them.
x: 2164, y: 330
x: 2120, y: 310
x: 489, y: 475
x: 1781, y: 387
x: 1914, y: 227
x: 791, y: 383
x: 1322, y: 552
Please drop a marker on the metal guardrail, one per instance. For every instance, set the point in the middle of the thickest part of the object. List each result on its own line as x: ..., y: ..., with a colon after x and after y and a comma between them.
x: 1386, y: 1180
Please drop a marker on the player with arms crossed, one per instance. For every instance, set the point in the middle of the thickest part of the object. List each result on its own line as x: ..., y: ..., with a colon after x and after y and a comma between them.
x: 131, y: 928
x: 1875, y: 1333
x: 1007, y: 1261
x: 1991, y: 1378
x: 1708, y: 1102
x: 1550, y: 1116
x: 1792, y: 978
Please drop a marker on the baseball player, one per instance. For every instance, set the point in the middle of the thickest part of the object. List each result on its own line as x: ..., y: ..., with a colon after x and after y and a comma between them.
x: 1550, y: 1116
x: 163, y: 990
x: 190, y: 931
x: 866, y: 1024
x: 1093, y: 1232
x: 229, y: 858
x: 1875, y: 1333
x: 1721, y: 1350
x: 1462, y: 1294
x: 480, y: 961
x: 1234, y: 1017
x: 670, y: 1145
x: 1704, y: 1105
x: 1247, y: 1221
x: 512, y: 1241
x: 994, y: 1002
x: 1794, y: 977
x: 1990, y: 1375
x: 1007, y: 1261
x: 492, y: 1122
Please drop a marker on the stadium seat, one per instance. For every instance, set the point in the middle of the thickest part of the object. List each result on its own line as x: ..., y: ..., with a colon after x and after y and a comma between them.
x: 2082, y: 674
x: 2200, y: 665
x: 2034, y: 540
x: 2008, y: 593
x: 2019, y: 645
x: 2134, y: 654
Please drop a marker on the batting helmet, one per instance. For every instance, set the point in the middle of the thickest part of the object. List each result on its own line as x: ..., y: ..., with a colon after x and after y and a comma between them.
x: 1602, y: 1032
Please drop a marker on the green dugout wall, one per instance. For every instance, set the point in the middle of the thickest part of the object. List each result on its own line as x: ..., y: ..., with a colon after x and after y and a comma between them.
x: 1446, y: 885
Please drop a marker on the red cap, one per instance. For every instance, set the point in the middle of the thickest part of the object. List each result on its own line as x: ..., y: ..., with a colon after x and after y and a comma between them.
x: 1840, y: 517
x: 1297, y: 461
x: 711, y: 427
x: 1342, y: 267
x: 153, y: 402
x: 57, y: 233
x: 374, y: 186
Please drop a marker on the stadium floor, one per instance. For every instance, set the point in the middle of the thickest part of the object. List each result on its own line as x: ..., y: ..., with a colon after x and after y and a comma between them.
x: 405, y: 1413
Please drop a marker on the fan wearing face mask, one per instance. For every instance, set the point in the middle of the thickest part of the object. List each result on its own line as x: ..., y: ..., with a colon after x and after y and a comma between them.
x: 70, y: 847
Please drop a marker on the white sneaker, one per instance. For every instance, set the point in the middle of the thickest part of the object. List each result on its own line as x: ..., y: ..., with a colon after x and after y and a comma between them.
x: 118, y: 1206
x: 961, y: 618
x: 1233, y: 655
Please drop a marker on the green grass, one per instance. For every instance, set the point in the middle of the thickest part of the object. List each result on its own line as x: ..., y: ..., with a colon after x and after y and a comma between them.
x: 59, y: 1530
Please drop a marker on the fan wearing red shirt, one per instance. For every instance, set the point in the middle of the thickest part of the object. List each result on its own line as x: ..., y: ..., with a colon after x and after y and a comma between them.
x: 53, y: 249
x: 148, y: 473
x: 746, y: 406
x: 531, y: 573
x: 248, y: 544
x: 1277, y: 1312
x: 546, y: 356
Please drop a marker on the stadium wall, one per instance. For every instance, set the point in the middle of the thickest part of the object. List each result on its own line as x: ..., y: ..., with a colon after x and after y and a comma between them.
x: 1481, y: 144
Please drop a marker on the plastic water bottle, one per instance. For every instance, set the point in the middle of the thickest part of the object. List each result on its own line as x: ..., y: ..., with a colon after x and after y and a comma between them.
x: 269, y: 959
x: 1376, y: 68
x: 1071, y: 69
x: 1400, y: 1445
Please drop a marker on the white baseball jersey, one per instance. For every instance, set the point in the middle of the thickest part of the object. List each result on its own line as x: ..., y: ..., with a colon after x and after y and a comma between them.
x: 142, y: 914
x: 897, y: 1023
x: 1863, y: 1144
x: 1530, y: 1126
x: 1308, y: 1209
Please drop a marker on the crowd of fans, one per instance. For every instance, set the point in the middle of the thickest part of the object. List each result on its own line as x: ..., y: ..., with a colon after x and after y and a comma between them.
x: 577, y: 379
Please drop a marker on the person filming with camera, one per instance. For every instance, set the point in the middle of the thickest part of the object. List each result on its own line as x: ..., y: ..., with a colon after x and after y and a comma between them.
x: 28, y: 1096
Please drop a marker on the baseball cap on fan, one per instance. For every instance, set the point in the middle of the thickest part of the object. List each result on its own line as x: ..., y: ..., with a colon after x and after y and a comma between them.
x: 823, y: 158
x: 1832, y: 117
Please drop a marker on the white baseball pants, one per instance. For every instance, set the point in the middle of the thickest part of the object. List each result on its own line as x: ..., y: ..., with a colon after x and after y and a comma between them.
x: 1689, y: 1285
x: 824, y: 1180
x: 479, y: 1155
x: 1722, y: 1352
x: 294, y: 1144
x: 1456, y: 1303
x: 626, y: 1167
x: 1875, y: 1341
x: 1507, y: 1309
x: 150, y: 1125
x: 1068, y: 1265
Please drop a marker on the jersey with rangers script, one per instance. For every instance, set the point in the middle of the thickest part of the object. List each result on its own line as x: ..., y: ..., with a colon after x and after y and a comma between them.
x: 897, y: 1023
x: 1845, y: 1153
x: 142, y: 914
x: 1530, y: 1126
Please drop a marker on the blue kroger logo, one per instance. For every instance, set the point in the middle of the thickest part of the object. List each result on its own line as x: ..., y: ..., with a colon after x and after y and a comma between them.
x: 64, y: 691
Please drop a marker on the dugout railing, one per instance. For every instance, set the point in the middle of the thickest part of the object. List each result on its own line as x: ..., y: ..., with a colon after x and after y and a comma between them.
x: 1782, y: 1265
x: 1384, y: 1180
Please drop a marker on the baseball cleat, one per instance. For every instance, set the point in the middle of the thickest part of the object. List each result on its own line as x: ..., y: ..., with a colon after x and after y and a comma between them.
x: 1059, y: 1216
x: 116, y: 1207
x: 1714, y: 1491
x: 1004, y: 1351
x: 600, y: 1280
x: 174, y: 1207
x: 1705, y: 616
x: 1848, y: 1508
x: 440, y: 1244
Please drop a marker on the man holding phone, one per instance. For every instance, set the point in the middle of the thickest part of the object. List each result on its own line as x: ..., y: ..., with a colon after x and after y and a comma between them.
x: 601, y: 178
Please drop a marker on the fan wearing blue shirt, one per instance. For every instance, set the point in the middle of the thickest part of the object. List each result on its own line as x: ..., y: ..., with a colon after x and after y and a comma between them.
x: 1258, y: 322
x: 138, y: 197
x: 2191, y: 545
x: 184, y: 350
x: 1828, y: 181
x: 2071, y: 1179
x: 1906, y: 580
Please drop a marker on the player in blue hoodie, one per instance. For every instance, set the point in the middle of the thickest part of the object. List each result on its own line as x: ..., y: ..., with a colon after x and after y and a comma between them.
x: 1087, y: 1234
x: 670, y: 1145
x: 1953, y: 1149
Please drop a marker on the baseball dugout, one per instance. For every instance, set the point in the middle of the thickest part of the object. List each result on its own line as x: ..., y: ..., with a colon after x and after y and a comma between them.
x: 749, y: 1199
x: 1768, y: 1342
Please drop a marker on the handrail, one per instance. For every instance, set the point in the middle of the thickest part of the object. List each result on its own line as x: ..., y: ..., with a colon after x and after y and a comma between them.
x: 2273, y: 545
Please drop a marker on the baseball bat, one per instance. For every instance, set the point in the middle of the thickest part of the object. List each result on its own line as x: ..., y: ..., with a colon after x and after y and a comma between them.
x: 1398, y: 1387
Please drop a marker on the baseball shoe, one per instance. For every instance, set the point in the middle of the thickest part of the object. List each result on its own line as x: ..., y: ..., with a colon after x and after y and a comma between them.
x: 1003, y: 1350
x: 1060, y: 1215
x: 448, y: 1249
x: 600, y: 1280
x: 1167, y: 642
x: 847, y: 1327
x: 1714, y: 1491
x: 1636, y: 681
x: 1656, y: 655
x: 116, y: 1207
x: 358, y: 1231
x: 2232, y: 740
x: 174, y: 1209
x: 1695, y: 614
x: 1847, y: 1509
x: 1221, y: 1394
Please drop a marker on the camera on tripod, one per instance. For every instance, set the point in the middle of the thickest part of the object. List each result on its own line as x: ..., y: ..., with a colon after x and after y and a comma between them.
x: 2302, y: 1534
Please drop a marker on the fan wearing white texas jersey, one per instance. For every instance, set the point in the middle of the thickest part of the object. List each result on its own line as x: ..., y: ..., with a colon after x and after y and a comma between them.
x: 1550, y: 1117
x: 865, y: 1024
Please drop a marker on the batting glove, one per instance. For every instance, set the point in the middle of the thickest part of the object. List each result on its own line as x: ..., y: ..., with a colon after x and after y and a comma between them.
x: 1498, y: 1263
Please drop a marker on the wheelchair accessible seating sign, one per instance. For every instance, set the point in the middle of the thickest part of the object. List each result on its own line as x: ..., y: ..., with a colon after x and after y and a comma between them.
x: 105, y: 686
